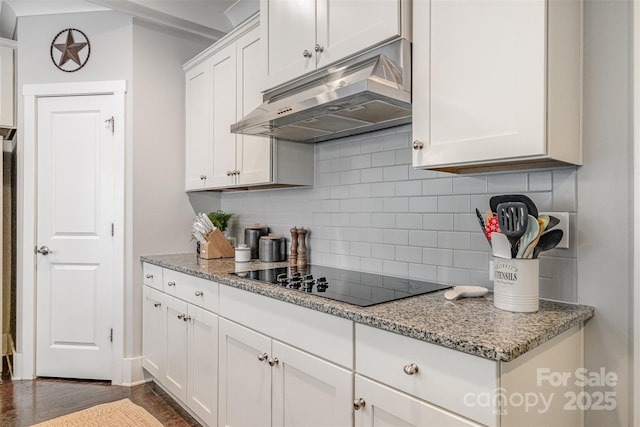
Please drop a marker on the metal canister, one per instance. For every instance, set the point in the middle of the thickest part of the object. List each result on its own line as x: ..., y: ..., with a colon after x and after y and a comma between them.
x: 272, y: 249
x: 252, y: 238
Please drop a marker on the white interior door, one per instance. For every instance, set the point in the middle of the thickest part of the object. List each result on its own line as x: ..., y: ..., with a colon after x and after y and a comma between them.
x: 75, y: 213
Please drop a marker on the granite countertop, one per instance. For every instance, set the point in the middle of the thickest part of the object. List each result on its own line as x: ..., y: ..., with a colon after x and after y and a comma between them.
x: 471, y: 325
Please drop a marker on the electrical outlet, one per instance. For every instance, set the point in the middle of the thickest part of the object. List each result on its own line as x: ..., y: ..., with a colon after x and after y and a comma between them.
x: 562, y: 225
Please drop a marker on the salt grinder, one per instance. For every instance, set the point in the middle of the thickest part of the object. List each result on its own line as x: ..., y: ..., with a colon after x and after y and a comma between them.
x: 293, y: 256
x: 302, y: 248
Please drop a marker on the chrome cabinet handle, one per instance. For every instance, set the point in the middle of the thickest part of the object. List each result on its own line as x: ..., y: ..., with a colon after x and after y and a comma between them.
x: 273, y: 361
x: 171, y: 283
x: 199, y: 293
x: 203, y: 177
x: 411, y: 369
x: 186, y: 317
x: 149, y: 276
x: 229, y: 173
x: 359, y: 404
x: 180, y: 316
x: 262, y: 356
x: 418, y: 145
x: 318, y: 48
x: 44, y: 250
x: 157, y: 304
x: 306, y: 54
x: 236, y: 172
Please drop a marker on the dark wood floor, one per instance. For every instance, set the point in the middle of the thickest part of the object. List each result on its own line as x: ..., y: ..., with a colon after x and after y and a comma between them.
x: 23, y: 403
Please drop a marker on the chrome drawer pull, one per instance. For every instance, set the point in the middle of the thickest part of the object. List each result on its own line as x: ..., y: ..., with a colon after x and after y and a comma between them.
x: 157, y: 304
x: 411, y: 369
x: 262, y: 356
x: 171, y: 283
x: 273, y: 361
x: 199, y: 293
x: 149, y: 276
x: 359, y: 404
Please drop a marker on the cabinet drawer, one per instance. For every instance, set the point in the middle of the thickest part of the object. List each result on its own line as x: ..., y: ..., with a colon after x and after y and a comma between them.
x: 448, y: 378
x: 324, y: 335
x: 197, y: 291
x: 152, y: 275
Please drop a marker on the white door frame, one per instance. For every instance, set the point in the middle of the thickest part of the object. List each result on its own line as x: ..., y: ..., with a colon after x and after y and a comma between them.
x: 24, y: 359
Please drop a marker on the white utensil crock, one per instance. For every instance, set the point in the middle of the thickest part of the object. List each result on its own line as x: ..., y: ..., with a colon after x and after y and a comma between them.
x: 516, y: 284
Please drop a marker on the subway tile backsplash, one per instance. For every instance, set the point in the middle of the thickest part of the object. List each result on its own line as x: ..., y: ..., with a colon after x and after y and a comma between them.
x: 371, y: 211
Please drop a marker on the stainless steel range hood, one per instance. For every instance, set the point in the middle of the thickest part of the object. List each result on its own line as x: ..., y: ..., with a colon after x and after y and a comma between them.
x: 369, y: 92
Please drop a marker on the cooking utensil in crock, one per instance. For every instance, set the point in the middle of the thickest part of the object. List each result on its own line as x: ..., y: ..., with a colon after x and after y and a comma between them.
x: 496, y: 200
x: 547, y: 241
x: 530, y: 234
x: 512, y: 219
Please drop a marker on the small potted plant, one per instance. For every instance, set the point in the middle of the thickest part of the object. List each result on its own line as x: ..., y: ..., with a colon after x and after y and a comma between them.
x: 220, y: 219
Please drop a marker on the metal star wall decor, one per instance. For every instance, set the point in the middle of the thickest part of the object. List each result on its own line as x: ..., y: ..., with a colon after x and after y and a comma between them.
x: 70, y: 50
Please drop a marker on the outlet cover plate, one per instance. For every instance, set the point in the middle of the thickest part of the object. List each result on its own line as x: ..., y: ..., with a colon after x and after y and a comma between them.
x: 563, y: 225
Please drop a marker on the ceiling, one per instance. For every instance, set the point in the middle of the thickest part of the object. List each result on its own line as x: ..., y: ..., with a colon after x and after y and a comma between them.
x: 208, y: 18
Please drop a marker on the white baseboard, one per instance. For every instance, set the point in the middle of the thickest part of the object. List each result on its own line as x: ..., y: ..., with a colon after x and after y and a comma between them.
x: 132, y: 372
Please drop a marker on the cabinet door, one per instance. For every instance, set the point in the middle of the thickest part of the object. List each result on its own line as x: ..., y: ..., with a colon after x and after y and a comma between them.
x: 253, y: 155
x: 199, y: 126
x: 479, y: 80
x: 7, y: 88
x: 308, y: 391
x: 175, y: 375
x: 385, y: 407
x: 288, y: 29
x: 202, y: 366
x: 153, y: 336
x: 341, y: 36
x: 245, y: 380
x: 224, y: 115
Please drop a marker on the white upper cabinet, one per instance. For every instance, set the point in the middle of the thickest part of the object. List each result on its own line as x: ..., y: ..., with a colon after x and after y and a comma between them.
x: 199, y: 126
x: 302, y: 35
x: 496, y: 83
x: 223, y: 85
x: 7, y: 84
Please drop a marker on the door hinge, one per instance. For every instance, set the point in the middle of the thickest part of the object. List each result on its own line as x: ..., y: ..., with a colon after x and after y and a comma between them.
x: 112, y: 229
x: 111, y: 334
x: 110, y: 123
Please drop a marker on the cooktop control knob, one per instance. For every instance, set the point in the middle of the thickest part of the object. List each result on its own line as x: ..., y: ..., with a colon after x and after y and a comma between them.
x: 308, y: 283
x: 321, y: 284
x: 295, y: 282
x: 282, y: 279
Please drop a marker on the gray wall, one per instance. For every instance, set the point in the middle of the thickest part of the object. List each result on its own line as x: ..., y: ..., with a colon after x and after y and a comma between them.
x: 605, y: 190
x: 158, y: 205
x: 371, y: 211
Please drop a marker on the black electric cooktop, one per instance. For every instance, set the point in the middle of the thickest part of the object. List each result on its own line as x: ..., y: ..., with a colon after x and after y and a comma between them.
x: 353, y: 287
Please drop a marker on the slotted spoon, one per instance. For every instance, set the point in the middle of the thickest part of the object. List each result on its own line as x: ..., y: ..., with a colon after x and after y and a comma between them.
x: 512, y: 219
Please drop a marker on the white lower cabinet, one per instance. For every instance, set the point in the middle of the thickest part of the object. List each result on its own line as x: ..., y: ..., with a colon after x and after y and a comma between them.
x: 281, y: 385
x: 386, y: 407
x: 191, y: 372
x: 153, y: 349
x: 180, y: 350
x: 235, y: 358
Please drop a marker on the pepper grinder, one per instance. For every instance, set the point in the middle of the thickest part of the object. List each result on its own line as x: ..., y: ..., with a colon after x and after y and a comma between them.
x: 302, y: 248
x: 293, y: 256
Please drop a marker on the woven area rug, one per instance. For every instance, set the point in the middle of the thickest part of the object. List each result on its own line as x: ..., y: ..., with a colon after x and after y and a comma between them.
x: 122, y: 413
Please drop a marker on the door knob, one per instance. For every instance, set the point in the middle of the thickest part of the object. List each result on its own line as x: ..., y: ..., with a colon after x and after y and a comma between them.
x: 359, y: 404
x: 44, y: 250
